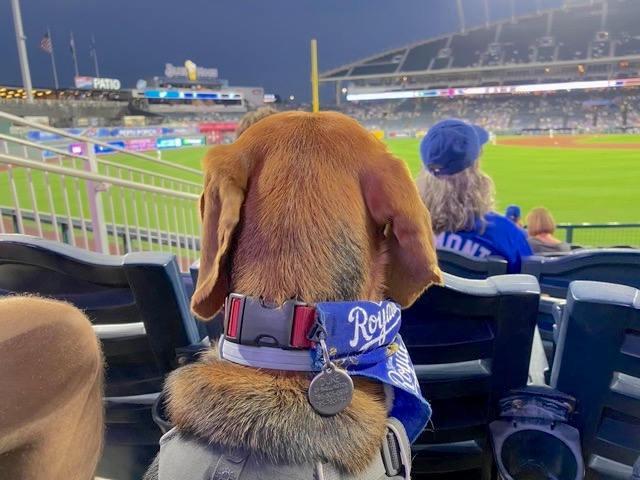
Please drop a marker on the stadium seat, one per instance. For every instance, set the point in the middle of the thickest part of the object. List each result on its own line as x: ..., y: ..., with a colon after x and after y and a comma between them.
x: 213, y: 327
x: 598, y: 362
x: 615, y: 265
x: 467, y: 266
x: 470, y: 341
x: 140, y: 311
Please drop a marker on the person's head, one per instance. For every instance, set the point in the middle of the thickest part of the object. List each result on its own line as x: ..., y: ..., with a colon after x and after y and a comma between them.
x: 513, y: 213
x: 252, y: 117
x: 540, y: 221
x: 452, y: 186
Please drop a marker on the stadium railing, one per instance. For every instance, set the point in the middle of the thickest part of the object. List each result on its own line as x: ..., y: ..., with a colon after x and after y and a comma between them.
x: 99, y: 200
x: 602, y: 234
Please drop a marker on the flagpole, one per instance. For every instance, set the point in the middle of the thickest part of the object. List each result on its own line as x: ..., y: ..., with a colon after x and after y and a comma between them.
x: 95, y: 55
x: 53, y: 62
x: 22, y: 49
x: 73, y: 54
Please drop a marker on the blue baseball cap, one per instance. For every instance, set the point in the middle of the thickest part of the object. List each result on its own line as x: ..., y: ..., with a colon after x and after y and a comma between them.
x: 513, y: 212
x: 483, y: 135
x: 449, y: 147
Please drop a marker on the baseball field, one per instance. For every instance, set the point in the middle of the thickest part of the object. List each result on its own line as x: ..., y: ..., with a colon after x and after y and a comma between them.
x: 579, y: 179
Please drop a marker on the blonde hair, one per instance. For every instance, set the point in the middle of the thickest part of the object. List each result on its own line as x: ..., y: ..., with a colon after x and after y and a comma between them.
x: 457, y: 201
x: 252, y: 117
x: 539, y: 220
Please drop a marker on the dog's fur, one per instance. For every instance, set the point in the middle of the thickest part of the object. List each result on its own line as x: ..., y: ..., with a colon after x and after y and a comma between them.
x: 310, y: 207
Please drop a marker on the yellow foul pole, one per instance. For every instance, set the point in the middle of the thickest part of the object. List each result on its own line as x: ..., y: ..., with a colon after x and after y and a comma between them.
x: 315, y: 99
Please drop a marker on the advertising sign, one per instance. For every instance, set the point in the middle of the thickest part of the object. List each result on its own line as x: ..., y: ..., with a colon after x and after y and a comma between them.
x: 83, y: 82
x: 171, y: 71
x: 76, y: 148
x: 163, y: 143
x: 135, y: 132
x: 193, y: 141
x: 140, y: 144
x: 99, y: 149
x: 94, y: 83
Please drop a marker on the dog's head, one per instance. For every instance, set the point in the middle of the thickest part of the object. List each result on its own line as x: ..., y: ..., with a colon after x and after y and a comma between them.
x: 311, y: 207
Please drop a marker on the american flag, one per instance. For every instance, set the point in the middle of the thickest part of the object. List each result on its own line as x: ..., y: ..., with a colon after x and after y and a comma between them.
x: 45, y: 43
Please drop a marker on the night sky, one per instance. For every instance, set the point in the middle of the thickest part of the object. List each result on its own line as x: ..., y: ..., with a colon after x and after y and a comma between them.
x: 251, y: 42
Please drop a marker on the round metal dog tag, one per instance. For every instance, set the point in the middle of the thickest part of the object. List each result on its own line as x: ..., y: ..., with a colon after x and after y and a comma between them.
x: 331, y: 391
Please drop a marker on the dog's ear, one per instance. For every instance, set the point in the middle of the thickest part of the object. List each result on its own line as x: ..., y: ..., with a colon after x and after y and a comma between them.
x: 393, y: 202
x: 220, y: 204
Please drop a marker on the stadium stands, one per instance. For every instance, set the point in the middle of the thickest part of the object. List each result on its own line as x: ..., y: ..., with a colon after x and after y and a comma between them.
x: 466, y: 266
x: 594, y: 41
x: 615, y: 265
x: 621, y: 266
x: 598, y: 362
x: 470, y: 341
x: 554, y: 35
x: 140, y: 312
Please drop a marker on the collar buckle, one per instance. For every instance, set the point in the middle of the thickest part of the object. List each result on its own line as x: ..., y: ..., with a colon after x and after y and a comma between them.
x: 251, y: 321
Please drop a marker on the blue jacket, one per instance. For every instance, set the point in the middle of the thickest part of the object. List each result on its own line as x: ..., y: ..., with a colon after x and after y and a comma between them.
x: 500, y: 237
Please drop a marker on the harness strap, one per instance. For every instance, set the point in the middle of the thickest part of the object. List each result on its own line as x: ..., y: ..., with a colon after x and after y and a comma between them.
x: 183, y: 457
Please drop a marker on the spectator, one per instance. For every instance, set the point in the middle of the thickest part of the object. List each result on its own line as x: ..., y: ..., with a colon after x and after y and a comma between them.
x: 541, y: 227
x: 460, y: 196
x: 252, y: 117
x: 513, y: 213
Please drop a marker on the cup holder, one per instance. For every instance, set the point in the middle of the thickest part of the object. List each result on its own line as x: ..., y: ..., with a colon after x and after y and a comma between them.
x: 537, y: 455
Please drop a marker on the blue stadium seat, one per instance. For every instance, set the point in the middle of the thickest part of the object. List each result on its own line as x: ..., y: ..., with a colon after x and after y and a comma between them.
x: 467, y: 266
x: 615, y: 265
x: 470, y: 341
x: 213, y: 327
x: 598, y: 362
x: 139, y: 308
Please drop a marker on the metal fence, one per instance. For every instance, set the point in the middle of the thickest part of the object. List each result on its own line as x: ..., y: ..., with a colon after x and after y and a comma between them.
x: 101, y: 205
x: 602, y: 234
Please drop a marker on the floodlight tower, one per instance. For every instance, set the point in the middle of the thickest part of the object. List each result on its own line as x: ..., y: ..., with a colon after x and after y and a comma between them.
x: 487, y: 18
x: 461, y: 16
x: 22, y: 49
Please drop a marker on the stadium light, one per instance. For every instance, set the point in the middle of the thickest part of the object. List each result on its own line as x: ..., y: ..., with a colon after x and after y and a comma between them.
x: 22, y: 48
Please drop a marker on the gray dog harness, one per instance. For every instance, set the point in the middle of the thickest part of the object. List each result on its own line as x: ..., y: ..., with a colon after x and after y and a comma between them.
x: 188, y: 457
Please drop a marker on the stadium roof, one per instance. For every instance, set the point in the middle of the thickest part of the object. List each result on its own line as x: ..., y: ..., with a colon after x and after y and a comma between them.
x: 538, y: 40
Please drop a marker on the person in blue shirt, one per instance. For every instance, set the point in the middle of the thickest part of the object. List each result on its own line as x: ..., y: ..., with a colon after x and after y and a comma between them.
x: 460, y: 197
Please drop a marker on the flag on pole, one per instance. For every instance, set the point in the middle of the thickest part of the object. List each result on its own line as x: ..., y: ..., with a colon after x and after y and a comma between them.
x: 72, y: 45
x: 92, y: 47
x: 45, y: 43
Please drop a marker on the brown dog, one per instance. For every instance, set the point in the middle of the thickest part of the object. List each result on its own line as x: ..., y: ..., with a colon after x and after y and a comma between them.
x: 309, y: 207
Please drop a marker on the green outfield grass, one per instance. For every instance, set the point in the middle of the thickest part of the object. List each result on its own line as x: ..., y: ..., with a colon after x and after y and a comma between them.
x: 612, y: 139
x: 577, y: 185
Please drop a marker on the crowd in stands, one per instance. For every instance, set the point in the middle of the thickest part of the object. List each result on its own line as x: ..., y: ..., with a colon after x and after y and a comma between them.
x: 581, y: 111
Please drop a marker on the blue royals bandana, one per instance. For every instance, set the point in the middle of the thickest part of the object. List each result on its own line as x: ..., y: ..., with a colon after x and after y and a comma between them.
x: 368, y: 344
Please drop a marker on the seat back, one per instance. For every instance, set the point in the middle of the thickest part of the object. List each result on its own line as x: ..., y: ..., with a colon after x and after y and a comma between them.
x: 139, y: 309
x: 467, y: 266
x: 598, y: 362
x: 614, y: 265
x: 136, y: 303
x: 470, y: 341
